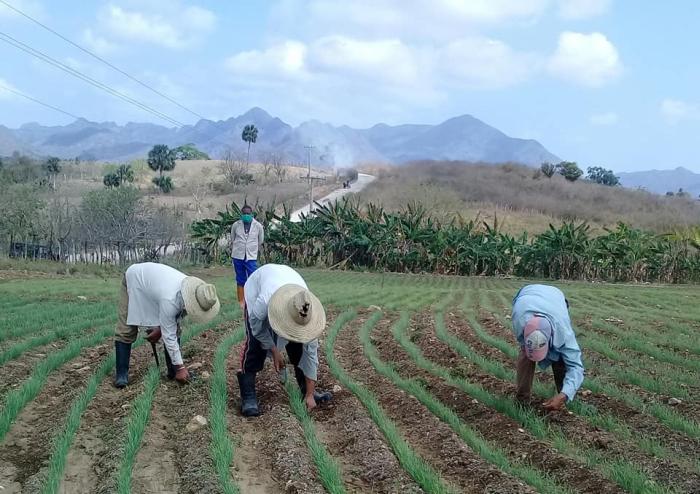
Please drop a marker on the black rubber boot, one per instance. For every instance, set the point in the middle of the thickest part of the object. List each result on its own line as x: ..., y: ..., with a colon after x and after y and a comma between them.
x: 169, y: 362
x: 249, y: 402
x: 123, y: 354
x: 319, y: 396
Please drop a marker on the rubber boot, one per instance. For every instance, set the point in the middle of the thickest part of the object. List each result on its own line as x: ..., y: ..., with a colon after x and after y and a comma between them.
x: 241, y: 296
x: 249, y: 402
x: 319, y: 396
x: 123, y: 354
x: 169, y: 362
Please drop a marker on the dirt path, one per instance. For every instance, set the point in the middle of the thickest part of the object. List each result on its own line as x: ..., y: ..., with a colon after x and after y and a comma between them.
x: 26, y: 448
x: 172, y: 460
x: 497, y: 428
x: 94, y: 455
x: 362, y: 181
x: 573, y: 426
x: 429, y: 437
x: 270, y: 454
x: 351, y: 436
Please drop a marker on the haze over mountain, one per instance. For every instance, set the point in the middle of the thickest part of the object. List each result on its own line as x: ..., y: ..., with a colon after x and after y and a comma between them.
x: 662, y: 181
x: 460, y: 138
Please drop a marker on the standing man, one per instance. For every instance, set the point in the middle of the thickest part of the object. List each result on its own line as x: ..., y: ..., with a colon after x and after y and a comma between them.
x: 542, y: 326
x: 156, y: 295
x: 281, y: 314
x: 247, y: 236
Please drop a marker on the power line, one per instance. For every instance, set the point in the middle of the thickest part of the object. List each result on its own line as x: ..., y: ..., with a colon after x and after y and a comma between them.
x: 19, y: 93
x: 76, y: 73
x: 97, y: 57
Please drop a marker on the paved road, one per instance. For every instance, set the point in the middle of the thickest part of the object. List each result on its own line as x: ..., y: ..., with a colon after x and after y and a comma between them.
x: 362, y: 181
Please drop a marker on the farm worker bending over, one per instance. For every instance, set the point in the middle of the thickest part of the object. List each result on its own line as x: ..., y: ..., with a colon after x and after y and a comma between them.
x: 280, y: 313
x: 156, y: 295
x: 247, y: 236
x: 542, y: 327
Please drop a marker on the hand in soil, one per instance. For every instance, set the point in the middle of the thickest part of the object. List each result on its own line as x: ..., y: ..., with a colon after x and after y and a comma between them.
x: 182, y: 375
x: 310, y: 402
x: 555, y: 403
x: 277, y: 360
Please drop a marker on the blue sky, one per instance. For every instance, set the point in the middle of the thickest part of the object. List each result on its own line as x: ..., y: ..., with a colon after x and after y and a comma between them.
x: 602, y: 82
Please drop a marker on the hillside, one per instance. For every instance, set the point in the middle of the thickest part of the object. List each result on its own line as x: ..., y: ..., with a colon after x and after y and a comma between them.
x: 662, y: 181
x: 522, y: 202
x: 459, y: 138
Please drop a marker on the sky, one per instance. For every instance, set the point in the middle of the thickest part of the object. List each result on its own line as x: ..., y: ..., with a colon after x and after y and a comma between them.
x: 610, y: 83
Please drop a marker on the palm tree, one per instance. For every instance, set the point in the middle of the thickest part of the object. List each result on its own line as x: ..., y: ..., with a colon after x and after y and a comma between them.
x: 53, y: 168
x: 161, y: 158
x: 249, y: 135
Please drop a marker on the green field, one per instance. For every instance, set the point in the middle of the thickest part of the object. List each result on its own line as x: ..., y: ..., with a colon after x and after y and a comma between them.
x: 424, y: 366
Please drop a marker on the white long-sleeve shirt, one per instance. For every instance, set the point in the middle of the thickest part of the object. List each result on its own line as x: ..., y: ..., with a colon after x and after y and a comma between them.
x: 259, y: 288
x: 155, y: 299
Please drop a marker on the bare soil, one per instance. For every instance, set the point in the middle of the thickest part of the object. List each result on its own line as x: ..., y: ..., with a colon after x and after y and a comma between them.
x: 27, y: 446
x: 433, y: 440
x: 499, y: 429
x: 573, y: 426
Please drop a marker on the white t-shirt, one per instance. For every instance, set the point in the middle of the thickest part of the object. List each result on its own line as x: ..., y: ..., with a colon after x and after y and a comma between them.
x: 259, y: 288
x: 155, y: 300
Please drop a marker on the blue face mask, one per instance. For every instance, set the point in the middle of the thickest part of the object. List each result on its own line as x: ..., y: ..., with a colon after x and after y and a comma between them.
x: 247, y: 218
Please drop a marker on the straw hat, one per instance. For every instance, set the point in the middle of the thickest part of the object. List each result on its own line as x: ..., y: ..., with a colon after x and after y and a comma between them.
x: 201, y: 302
x: 296, y: 314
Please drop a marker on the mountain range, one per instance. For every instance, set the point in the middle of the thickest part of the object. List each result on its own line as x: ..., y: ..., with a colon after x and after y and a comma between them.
x: 462, y: 138
x: 662, y: 181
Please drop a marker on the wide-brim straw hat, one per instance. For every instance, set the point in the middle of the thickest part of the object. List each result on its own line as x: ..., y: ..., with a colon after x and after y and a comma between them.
x: 201, y: 302
x: 296, y: 314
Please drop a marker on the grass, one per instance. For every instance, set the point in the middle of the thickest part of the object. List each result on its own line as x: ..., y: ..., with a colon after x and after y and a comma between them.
x: 18, y: 398
x: 529, y: 474
x: 623, y: 473
x: 221, y: 446
x: 429, y: 480
x: 328, y: 468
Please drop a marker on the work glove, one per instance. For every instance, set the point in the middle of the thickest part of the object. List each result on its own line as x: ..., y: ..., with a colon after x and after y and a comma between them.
x: 182, y: 375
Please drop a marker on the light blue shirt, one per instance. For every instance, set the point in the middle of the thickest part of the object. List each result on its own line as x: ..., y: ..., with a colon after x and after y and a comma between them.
x: 549, y: 302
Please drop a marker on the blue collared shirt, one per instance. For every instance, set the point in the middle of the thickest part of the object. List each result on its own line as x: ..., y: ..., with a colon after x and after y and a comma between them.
x: 549, y: 302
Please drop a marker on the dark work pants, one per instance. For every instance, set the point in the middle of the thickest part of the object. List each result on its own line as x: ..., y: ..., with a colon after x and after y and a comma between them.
x: 525, y: 374
x: 253, y: 354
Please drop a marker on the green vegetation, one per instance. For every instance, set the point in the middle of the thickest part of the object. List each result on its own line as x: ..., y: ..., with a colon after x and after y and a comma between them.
x: 222, y: 447
x: 161, y: 159
x: 189, y: 152
x: 328, y: 468
x: 414, y: 465
x: 17, y: 399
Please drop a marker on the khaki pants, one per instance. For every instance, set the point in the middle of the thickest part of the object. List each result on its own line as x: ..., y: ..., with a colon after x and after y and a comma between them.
x: 525, y: 374
x: 124, y: 332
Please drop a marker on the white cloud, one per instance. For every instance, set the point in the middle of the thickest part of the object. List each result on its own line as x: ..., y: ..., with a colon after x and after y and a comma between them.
x: 282, y: 60
x: 438, y: 19
x: 675, y: 111
x: 604, y: 119
x: 99, y: 44
x: 486, y: 63
x: 386, y: 60
x: 582, y: 9
x: 4, y: 93
x: 139, y: 26
x: 586, y: 59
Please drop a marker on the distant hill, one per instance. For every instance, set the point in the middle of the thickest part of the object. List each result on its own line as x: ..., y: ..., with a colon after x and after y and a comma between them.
x: 461, y: 138
x: 662, y: 181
